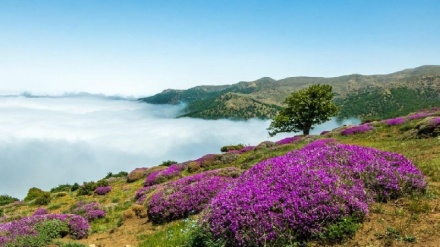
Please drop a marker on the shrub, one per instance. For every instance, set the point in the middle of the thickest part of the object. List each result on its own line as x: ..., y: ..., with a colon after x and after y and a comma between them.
x: 308, y: 193
x: 33, y: 193
x: 141, y: 194
x: 103, y: 190
x: 395, y: 121
x: 43, y: 199
x: 186, y: 196
x: 136, y: 174
x: 40, y: 211
x: 356, y: 129
x: 38, y: 230
x: 324, y: 132
x: 61, y: 188
x: 228, y: 148
x: 87, y: 188
x: 418, y: 115
x: 117, y: 175
x: 6, y: 199
x: 161, y: 176
x: 168, y: 163
x: 289, y: 140
x: 75, y: 187
x: 90, y: 211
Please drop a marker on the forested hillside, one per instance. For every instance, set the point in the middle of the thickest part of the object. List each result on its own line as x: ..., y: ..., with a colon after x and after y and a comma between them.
x: 364, y: 96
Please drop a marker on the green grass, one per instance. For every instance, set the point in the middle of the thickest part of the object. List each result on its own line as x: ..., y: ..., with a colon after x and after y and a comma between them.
x: 175, y: 234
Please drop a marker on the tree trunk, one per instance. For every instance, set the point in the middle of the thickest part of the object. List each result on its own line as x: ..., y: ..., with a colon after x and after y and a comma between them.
x: 306, y: 129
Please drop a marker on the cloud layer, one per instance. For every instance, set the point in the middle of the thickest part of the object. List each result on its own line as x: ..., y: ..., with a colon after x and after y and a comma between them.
x: 49, y: 141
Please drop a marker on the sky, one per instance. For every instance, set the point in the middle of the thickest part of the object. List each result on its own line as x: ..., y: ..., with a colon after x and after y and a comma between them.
x: 138, y: 48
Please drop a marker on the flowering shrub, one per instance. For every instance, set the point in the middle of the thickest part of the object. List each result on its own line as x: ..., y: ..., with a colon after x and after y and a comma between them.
x: 395, y: 121
x: 288, y: 140
x: 90, y: 211
x: 434, y: 122
x: 297, y: 195
x: 324, y: 132
x: 161, y: 176
x: 243, y: 150
x: 40, y: 211
x: 141, y: 194
x: 356, y: 129
x: 11, y: 231
x: 418, y: 115
x: 103, y: 190
x: 188, y: 195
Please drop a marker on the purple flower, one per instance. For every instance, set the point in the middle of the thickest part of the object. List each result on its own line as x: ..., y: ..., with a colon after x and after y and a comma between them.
x: 78, y: 226
x: 186, y: 196
x: 395, y: 121
x: 295, y: 195
x: 434, y: 121
x: 288, y: 140
x: 418, y: 115
x: 90, y: 211
x: 161, y: 176
x: 356, y: 129
x: 40, y: 211
x: 103, y: 190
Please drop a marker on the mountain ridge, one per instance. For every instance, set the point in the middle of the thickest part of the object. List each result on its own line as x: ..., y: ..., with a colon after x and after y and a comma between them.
x: 271, y: 93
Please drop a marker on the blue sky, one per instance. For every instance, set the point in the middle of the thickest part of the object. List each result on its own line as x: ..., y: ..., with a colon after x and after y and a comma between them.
x: 142, y: 47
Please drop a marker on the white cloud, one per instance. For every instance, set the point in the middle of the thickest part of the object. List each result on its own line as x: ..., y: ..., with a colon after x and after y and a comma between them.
x: 49, y: 141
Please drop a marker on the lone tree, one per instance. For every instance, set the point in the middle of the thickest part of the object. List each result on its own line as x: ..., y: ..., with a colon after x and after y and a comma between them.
x: 305, y: 108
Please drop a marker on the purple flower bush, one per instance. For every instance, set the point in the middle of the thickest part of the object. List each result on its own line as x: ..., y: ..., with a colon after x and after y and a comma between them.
x: 395, y: 121
x: 324, y: 132
x: 103, y: 190
x: 418, y: 115
x: 90, y: 211
x: 40, y: 211
x: 434, y: 122
x: 243, y: 150
x: 161, y: 176
x: 78, y: 227
x: 141, y: 194
x: 187, y: 196
x: 356, y: 129
x: 288, y: 140
x: 295, y: 196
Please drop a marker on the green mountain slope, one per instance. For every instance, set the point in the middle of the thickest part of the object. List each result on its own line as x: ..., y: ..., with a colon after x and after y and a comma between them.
x: 418, y: 86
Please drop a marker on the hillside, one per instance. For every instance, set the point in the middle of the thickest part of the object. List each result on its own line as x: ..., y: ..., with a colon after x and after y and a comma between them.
x: 352, y: 92
x: 374, y: 194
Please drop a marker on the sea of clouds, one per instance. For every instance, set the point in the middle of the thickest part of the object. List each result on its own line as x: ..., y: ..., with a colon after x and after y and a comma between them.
x: 47, y: 141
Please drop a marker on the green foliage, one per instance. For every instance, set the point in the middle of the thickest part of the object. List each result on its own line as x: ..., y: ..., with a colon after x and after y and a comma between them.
x: 6, y: 199
x: 304, y: 108
x: 75, y: 187
x: 340, y: 230
x: 168, y: 163
x: 178, y: 233
x: 43, y: 199
x: 225, y: 149
x: 46, y: 231
x: 33, y: 193
x: 61, y: 188
x: 377, y: 103
x: 121, y: 174
x: 39, y: 196
x: 88, y: 188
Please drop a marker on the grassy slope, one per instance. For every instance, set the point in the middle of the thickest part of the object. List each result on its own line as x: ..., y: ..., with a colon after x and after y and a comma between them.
x: 407, y: 221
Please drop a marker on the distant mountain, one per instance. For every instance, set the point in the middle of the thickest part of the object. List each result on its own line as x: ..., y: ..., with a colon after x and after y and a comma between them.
x: 365, y: 96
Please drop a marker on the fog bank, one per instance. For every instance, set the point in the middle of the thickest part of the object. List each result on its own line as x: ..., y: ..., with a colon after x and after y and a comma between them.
x: 47, y: 141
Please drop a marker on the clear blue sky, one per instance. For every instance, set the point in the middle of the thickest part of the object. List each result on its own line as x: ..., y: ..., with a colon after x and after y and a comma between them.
x: 141, y: 47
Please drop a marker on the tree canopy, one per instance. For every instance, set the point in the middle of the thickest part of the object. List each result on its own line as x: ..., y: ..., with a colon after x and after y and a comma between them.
x: 304, y: 109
